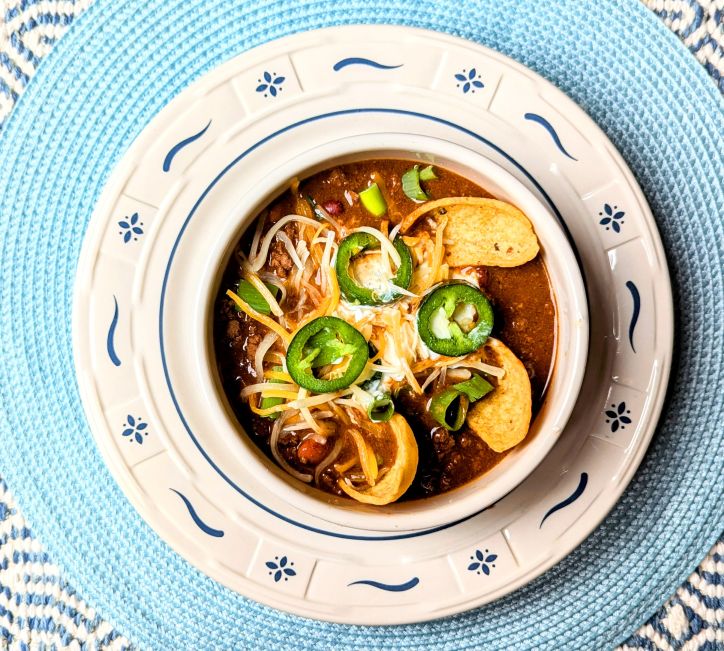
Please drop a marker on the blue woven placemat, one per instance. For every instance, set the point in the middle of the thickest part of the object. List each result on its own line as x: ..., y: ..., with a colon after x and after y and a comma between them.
x: 102, y: 85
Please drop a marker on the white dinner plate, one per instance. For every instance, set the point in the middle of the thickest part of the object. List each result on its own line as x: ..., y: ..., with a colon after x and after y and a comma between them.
x: 177, y: 183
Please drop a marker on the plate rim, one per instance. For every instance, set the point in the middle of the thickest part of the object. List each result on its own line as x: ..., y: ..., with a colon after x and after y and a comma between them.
x: 115, y: 181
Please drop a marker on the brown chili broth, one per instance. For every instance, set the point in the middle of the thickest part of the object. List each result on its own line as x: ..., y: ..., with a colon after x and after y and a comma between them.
x: 524, y: 320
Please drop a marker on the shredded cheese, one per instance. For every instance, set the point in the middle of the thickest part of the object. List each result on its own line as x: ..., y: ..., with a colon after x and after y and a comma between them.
x: 257, y: 234
x: 278, y: 375
x: 261, y: 351
x: 400, y: 351
x: 385, y: 243
x: 309, y: 419
x: 314, y: 288
x: 334, y: 289
x: 326, y: 257
x: 261, y: 318
x: 298, y: 404
x: 325, y: 215
x: 305, y: 413
x: 403, y: 292
x: 344, y: 467
x: 276, y: 393
x: 284, y: 239
x: 351, y: 402
x: 260, y: 287
x: 257, y: 262
x: 263, y: 412
x: 266, y: 387
x: 438, y: 360
x: 316, y: 240
x: 381, y: 345
x: 495, y: 371
x: 394, y: 232
x: 430, y: 379
x: 316, y: 400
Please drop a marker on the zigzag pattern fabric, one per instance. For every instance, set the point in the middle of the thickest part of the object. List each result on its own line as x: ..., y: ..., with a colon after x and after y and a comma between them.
x: 39, y: 610
x: 700, y: 25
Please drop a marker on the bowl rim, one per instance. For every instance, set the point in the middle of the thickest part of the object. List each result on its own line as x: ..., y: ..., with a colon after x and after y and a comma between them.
x: 571, y: 339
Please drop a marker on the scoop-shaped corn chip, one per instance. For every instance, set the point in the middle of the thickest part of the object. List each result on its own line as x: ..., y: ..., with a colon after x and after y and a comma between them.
x: 399, y: 477
x: 494, y: 234
x: 502, y: 418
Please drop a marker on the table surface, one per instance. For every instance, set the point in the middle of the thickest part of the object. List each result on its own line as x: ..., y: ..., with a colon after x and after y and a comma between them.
x: 39, y: 609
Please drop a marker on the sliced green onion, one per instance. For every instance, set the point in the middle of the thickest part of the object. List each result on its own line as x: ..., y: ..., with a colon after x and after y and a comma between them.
x: 251, y: 296
x: 428, y: 174
x: 379, y: 405
x: 373, y: 200
x: 411, y: 185
x: 474, y: 388
x: 265, y: 403
x: 451, y: 414
x: 315, y: 208
x: 381, y: 409
x: 450, y: 408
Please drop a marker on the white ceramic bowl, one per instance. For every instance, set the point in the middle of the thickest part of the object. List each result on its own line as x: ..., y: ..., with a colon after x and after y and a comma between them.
x: 570, y: 351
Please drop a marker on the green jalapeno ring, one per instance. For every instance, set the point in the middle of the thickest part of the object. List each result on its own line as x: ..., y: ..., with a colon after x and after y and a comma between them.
x: 441, y: 304
x: 353, y: 292
x: 328, y: 333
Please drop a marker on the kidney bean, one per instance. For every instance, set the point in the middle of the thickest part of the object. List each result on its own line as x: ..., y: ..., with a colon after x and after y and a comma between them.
x: 333, y: 207
x: 311, y: 452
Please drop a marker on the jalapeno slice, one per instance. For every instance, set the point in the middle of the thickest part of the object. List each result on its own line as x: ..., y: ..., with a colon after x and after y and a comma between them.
x: 455, y: 319
x: 327, y: 341
x: 355, y: 244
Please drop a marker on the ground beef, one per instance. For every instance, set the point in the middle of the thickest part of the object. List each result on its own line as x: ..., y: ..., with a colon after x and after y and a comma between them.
x: 328, y: 482
x: 279, y: 262
x: 288, y: 447
x: 442, y: 441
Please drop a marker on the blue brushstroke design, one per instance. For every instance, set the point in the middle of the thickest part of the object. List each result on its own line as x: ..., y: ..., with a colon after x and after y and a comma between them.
x: 110, y: 346
x: 216, y: 533
x: 534, y: 117
x: 360, y: 61
x: 582, y: 482
x: 389, y: 587
x: 179, y: 146
x: 636, y: 311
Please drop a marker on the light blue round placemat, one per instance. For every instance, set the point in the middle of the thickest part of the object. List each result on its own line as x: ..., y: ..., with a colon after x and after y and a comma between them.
x: 100, y: 87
